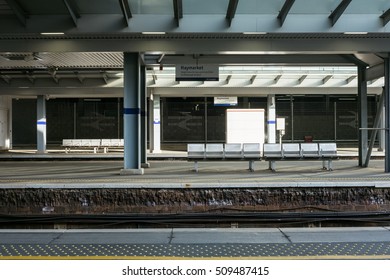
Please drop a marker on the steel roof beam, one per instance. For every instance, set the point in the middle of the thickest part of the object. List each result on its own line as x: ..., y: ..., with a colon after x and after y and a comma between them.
x: 73, y: 13
x: 178, y: 11
x: 385, y: 17
x: 326, y: 79
x: 125, y: 11
x: 336, y: 14
x: 19, y: 12
x: 301, y: 79
x: 284, y: 11
x: 231, y: 11
x: 350, y: 79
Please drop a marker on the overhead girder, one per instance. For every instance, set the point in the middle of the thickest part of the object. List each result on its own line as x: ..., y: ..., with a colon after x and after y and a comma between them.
x: 72, y: 11
x: 193, y: 23
x: 201, y: 43
x: 18, y: 11
x: 284, y: 11
x: 385, y: 17
x: 178, y: 11
x: 336, y: 14
x: 231, y: 11
x: 125, y: 11
x: 286, y: 59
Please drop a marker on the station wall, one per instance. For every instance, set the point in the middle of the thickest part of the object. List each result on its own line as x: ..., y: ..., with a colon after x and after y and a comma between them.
x: 190, y: 119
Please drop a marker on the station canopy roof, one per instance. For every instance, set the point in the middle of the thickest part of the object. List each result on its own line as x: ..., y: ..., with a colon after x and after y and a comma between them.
x: 55, y: 44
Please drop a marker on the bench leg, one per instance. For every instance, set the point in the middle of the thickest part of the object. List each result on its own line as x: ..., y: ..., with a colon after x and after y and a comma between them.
x: 196, y: 167
x: 105, y: 150
x: 272, y: 164
x: 327, y: 165
x: 251, y: 163
x: 330, y: 167
x: 95, y: 150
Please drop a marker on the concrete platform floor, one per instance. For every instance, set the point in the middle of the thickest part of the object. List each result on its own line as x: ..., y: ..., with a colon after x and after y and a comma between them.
x: 179, y: 174
x: 250, y: 243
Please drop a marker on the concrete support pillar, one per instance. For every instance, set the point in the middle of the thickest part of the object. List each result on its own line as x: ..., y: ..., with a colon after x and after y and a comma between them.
x: 144, y: 139
x: 386, y: 92
x: 131, y: 115
x: 362, y: 115
x: 271, y: 118
x: 41, y: 124
x: 156, y: 125
x: 382, y: 133
x: 5, y: 122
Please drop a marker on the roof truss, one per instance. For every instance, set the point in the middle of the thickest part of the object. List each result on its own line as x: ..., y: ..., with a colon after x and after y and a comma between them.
x: 72, y: 11
x: 231, y: 11
x: 284, y: 11
x: 336, y: 14
x: 19, y: 12
x: 125, y: 10
x: 385, y: 17
x: 178, y: 10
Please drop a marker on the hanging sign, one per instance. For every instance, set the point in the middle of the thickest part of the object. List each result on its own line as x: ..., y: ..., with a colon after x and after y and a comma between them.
x: 197, y: 72
x: 225, y: 101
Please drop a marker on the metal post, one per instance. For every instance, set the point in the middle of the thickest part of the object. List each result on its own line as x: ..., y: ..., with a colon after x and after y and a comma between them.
x: 131, y: 115
x: 41, y: 124
x: 387, y: 112
x: 335, y: 120
x: 362, y: 112
x: 271, y: 118
x: 292, y: 117
x: 205, y: 120
x: 377, y: 122
x: 156, y: 142
x: 144, y: 159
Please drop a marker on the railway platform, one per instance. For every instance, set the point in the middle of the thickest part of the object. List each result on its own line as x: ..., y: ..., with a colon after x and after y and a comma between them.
x: 345, y: 243
x: 23, y: 172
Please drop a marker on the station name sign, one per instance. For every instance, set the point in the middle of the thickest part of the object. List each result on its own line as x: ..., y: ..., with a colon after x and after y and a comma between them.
x: 199, y: 72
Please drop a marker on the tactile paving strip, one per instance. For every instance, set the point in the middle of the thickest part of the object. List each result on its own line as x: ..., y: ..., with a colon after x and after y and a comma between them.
x: 197, y: 250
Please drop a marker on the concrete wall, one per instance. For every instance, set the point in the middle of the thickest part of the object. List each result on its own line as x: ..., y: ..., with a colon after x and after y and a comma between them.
x: 132, y: 201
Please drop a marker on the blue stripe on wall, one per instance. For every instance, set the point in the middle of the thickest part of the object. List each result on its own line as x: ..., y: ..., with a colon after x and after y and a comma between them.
x: 132, y: 111
x: 41, y: 122
x: 271, y: 122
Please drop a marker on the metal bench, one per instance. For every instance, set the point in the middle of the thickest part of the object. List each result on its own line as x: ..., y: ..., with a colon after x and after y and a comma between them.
x: 217, y: 152
x: 304, y: 151
x: 68, y: 144
x: 111, y: 143
x: 328, y: 153
x: 251, y: 152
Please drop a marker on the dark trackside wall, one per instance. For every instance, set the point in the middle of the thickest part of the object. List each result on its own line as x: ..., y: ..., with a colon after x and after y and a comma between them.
x: 68, y: 119
x: 190, y: 119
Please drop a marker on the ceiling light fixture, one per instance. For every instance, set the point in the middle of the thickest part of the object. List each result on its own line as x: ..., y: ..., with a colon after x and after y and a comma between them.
x: 153, y: 33
x: 355, y: 33
x: 254, y: 33
x: 52, y: 33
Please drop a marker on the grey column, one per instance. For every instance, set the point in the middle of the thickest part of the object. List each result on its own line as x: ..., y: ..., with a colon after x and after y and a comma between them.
x: 131, y: 115
x: 271, y: 119
x: 362, y: 101
x: 156, y: 147
x: 382, y: 133
x: 143, y: 89
x: 41, y: 124
x: 386, y: 92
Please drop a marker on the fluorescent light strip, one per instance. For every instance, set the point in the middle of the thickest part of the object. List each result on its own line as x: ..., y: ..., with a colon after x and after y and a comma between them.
x: 52, y: 33
x: 154, y: 33
x: 355, y: 33
x: 254, y: 33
